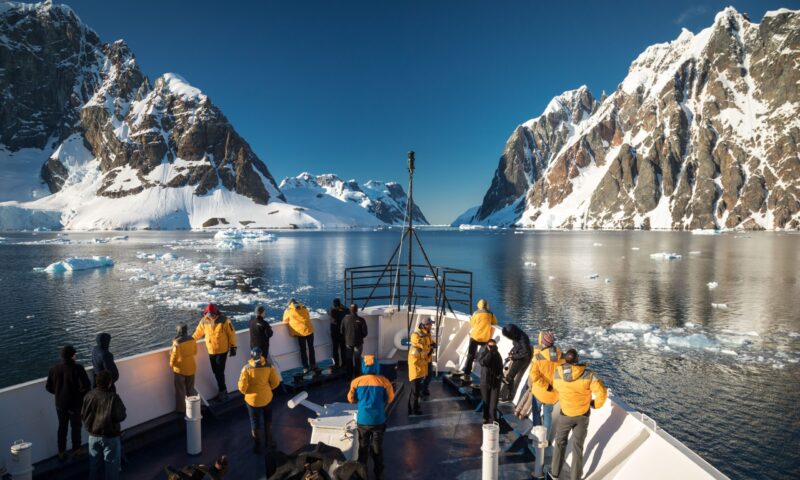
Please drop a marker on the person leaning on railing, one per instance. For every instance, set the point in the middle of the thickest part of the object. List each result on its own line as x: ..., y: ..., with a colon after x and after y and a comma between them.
x: 182, y: 360
x: 480, y: 332
x: 220, y: 339
x: 300, y: 327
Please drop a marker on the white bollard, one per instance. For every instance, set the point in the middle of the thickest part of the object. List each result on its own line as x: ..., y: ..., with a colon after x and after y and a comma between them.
x: 491, y: 451
x: 20, y: 467
x: 539, y: 439
x: 194, y: 440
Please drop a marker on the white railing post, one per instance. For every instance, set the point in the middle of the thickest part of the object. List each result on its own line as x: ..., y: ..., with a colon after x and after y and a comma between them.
x: 21, y: 467
x: 194, y: 440
x: 539, y: 438
x: 491, y: 451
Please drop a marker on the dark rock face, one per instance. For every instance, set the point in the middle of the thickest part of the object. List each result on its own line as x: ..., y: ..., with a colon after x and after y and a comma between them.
x: 703, y: 133
x: 58, y: 79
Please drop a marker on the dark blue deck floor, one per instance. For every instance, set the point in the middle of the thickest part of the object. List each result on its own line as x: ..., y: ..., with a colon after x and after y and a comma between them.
x: 443, y: 443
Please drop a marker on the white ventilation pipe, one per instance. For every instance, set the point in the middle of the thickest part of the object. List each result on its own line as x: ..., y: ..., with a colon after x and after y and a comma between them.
x: 21, y: 467
x: 539, y: 439
x: 194, y: 440
x: 491, y: 451
x: 300, y: 399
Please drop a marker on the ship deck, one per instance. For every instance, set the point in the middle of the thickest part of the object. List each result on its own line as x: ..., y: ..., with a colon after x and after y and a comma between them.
x: 444, y: 442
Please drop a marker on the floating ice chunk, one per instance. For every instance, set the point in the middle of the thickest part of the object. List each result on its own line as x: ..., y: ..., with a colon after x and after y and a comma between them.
x: 28, y: 317
x: 689, y: 325
x: 79, y: 313
x: 650, y: 338
x: 119, y: 238
x: 244, y: 236
x: 704, y: 232
x: 202, y: 267
x: 751, y: 333
x: 622, y: 337
x: 721, y: 306
x: 628, y: 326
x: 712, y: 285
x: 517, y: 232
x: 530, y: 264
x: 304, y: 288
x: 100, y: 240
x: 778, y: 365
x: 595, y: 330
x: 665, y: 256
x: 725, y: 351
x: 244, y: 317
x: 229, y: 244
x: 551, y: 277
x: 167, y: 257
x: 78, y: 263
x: 695, y: 252
x: 794, y: 334
x: 696, y: 340
x: 593, y: 276
x: 608, y: 280
x: 636, y: 249
x: 146, y: 256
x: 595, y: 354
x: 596, y: 244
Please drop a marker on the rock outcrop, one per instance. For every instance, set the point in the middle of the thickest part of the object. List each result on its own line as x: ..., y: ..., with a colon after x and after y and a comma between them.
x: 703, y: 133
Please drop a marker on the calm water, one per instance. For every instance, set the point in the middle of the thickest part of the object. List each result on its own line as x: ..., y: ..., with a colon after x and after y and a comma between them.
x: 726, y: 381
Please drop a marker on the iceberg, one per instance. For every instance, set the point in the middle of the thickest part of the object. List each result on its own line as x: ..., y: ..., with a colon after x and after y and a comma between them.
x: 77, y: 263
x: 229, y: 244
x: 244, y: 236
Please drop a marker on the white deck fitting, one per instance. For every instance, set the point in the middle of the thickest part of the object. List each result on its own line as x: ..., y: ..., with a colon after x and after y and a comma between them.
x: 619, y: 445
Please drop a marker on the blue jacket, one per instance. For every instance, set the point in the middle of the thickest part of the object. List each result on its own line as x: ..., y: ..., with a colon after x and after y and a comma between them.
x: 372, y: 392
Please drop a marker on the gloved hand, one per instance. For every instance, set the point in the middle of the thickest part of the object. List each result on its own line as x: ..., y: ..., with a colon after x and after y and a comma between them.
x: 591, y: 404
x: 233, y: 351
x: 433, y: 345
x: 550, y: 389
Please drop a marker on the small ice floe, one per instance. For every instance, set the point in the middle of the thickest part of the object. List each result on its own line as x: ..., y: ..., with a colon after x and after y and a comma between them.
x: 794, y: 334
x: 146, y: 256
x: 595, y: 354
x: 77, y: 263
x: 749, y: 333
x: 593, y: 276
x: 665, y: 256
x: 720, y: 306
x: 202, y: 267
x: 778, y: 365
x: 629, y: 326
x: 530, y: 264
x: 551, y: 277
x: 303, y: 288
x: 100, y: 240
x: 517, y: 232
x: 696, y: 340
x: 168, y: 257
x: 635, y: 249
x: 119, y: 238
x: 695, y: 252
x: 80, y: 313
x: 650, y: 338
x: 229, y: 244
x: 608, y: 280
x: 28, y: 317
x: 597, y: 244
x: 244, y: 236
x: 712, y: 285
x: 699, y: 231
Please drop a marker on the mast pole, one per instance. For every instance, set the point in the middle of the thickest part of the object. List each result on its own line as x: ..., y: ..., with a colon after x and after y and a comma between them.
x: 410, y: 222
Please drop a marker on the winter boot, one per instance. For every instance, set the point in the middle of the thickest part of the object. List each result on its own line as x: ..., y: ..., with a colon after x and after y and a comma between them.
x: 256, y: 441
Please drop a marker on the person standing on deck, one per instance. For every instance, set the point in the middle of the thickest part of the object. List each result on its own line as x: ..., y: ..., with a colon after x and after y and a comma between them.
x: 102, y: 413
x: 575, y: 385
x: 103, y: 359
x: 256, y: 382
x: 184, y: 366
x: 491, y: 373
x: 429, y: 377
x: 260, y: 332
x: 354, y: 330
x: 337, y: 314
x: 373, y: 393
x: 418, y: 362
x: 520, y: 356
x: 480, y: 332
x: 68, y: 382
x: 296, y: 315
x: 546, y: 358
x: 220, y: 339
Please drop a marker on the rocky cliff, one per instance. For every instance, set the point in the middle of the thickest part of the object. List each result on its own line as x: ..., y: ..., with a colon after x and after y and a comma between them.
x: 703, y: 133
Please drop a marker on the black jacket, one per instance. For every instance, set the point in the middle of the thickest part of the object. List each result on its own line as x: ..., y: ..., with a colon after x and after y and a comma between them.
x: 337, y: 314
x: 69, y: 382
x: 522, y: 343
x: 103, y: 359
x: 102, y: 413
x: 354, y: 329
x: 260, y: 333
x: 491, y: 366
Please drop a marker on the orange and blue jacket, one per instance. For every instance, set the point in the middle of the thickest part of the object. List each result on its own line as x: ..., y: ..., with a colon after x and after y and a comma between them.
x: 372, y: 392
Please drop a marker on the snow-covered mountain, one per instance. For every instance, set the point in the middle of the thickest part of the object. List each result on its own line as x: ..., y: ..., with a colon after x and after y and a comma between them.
x: 88, y: 142
x: 704, y: 132
x: 376, y: 203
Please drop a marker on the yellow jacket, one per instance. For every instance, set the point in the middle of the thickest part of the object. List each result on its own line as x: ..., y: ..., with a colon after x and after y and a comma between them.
x: 544, y: 363
x: 220, y: 336
x: 481, y: 323
x: 299, y: 321
x: 257, y: 382
x: 182, y: 356
x: 419, y: 354
x: 575, y: 385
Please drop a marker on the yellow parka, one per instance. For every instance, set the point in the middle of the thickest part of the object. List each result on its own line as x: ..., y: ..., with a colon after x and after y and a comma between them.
x: 296, y: 315
x: 419, y: 354
x: 257, y: 381
x: 481, y: 323
x: 543, y: 365
x: 220, y: 336
x: 182, y: 356
x: 575, y: 385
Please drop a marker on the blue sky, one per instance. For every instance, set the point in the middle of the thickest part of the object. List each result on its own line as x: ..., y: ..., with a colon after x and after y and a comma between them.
x: 350, y: 87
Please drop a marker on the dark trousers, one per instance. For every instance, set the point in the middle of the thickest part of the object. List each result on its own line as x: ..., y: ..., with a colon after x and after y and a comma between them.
x: 218, y: 361
x: 68, y: 418
x: 184, y: 387
x: 353, y: 360
x: 416, y: 392
x: 513, y: 377
x: 489, y: 395
x: 370, y: 440
x: 256, y: 414
x: 578, y: 426
x: 339, y: 348
x: 428, y: 378
x: 473, y: 348
x: 307, y: 355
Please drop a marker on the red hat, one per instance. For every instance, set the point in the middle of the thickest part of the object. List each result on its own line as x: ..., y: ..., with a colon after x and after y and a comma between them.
x: 212, y: 309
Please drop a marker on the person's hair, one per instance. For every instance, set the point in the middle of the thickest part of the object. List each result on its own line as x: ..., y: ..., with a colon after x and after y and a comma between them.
x: 571, y: 356
x: 292, y: 301
x: 491, y: 340
x: 181, y: 329
x: 337, y: 302
x: 67, y: 352
x: 354, y: 308
x: 260, y: 309
x: 104, y: 379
